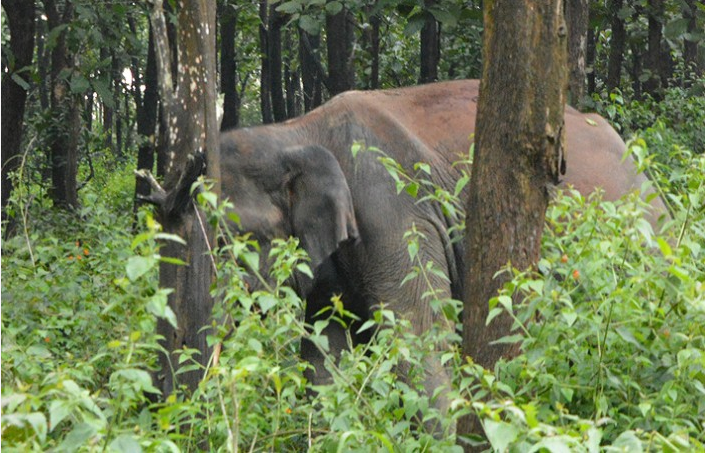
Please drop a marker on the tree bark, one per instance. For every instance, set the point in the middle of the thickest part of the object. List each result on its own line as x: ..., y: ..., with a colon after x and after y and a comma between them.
x: 265, y: 74
x: 66, y: 119
x: 340, y: 40
x: 228, y: 68
x: 147, y: 117
x: 518, y: 154
x: 374, y: 51
x: 656, y: 60
x: 577, y: 12
x: 21, y: 23
x: 193, y: 129
x: 430, y: 46
x: 590, y: 54
x: 617, y: 43
x: 274, y: 48
x: 292, y: 79
x: 108, y: 110
x: 311, y: 75
x: 690, y: 47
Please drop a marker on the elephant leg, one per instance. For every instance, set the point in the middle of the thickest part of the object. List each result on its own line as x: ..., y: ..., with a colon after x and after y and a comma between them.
x: 412, y: 301
x: 326, y: 285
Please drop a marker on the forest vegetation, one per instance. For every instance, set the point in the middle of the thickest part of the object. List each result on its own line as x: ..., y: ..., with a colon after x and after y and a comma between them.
x: 610, y: 324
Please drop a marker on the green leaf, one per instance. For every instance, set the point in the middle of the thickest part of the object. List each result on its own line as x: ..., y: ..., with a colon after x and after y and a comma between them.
x: 58, y: 411
x: 444, y: 17
x: 20, y: 81
x: 77, y: 437
x: 569, y: 316
x: 125, y: 443
x: 412, y: 189
x: 553, y: 445
x: 628, y: 441
x: 506, y: 302
x: 500, y: 434
x: 141, y: 379
x: 414, y: 25
x: 267, y: 302
x: 79, y: 84
x: 333, y: 8
x: 137, y: 266
x: 158, y: 305
x: 665, y: 247
x: 38, y: 422
x: 290, y: 7
x: 309, y: 25
x: 102, y: 88
x: 170, y: 237
x: 251, y: 260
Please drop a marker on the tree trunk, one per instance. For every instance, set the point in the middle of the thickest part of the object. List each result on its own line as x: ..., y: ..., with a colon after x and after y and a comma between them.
x: 193, y: 129
x: 430, y: 50
x: 311, y: 75
x: 577, y: 12
x: 590, y: 54
x: 518, y: 154
x: 228, y: 68
x: 690, y: 47
x: 636, y: 70
x: 43, y: 63
x: 20, y: 21
x: 374, y: 50
x: 656, y: 60
x: 105, y: 54
x: 340, y: 39
x: 291, y: 80
x: 274, y: 48
x: 147, y: 117
x: 617, y: 43
x: 265, y: 75
x: 66, y: 120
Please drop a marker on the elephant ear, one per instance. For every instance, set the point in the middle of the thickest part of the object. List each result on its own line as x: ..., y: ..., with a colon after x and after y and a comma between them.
x: 321, y: 208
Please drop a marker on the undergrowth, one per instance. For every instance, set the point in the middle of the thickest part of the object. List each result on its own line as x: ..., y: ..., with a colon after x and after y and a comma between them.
x: 611, y: 327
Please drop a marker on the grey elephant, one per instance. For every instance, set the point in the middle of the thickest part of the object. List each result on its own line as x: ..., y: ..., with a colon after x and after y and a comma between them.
x: 300, y: 179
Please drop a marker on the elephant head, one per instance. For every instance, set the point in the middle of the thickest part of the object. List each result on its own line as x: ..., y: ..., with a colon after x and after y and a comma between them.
x: 281, y: 192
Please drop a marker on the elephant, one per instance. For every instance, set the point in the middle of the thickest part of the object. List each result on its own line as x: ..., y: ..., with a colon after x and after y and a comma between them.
x: 299, y: 178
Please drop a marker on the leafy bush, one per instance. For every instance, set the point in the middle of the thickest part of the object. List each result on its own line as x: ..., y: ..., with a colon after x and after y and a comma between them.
x: 612, y: 331
x: 611, y: 328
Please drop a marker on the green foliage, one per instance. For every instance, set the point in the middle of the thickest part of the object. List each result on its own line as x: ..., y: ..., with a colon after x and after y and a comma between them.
x: 674, y: 122
x: 611, y: 328
x: 613, y: 343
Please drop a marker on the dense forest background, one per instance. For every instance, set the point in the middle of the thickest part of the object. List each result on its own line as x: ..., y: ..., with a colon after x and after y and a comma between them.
x: 81, y: 110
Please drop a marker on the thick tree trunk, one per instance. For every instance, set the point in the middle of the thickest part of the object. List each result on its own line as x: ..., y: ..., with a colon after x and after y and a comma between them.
x: 311, y: 75
x: 193, y: 128
x: 20, y: 21
x: 617, y: 44
x: 66, y: 119
x: 340, y: 33
x: 518, y: 154
x: 577, y: 12
x: 430, y: 47
x: 274, y: 48
x: 228, y: 69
